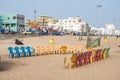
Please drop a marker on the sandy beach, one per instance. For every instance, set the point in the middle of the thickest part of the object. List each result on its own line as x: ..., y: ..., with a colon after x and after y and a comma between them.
x: 51, y: 67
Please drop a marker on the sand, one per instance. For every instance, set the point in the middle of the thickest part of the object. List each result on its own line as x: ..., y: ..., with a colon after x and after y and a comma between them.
x: 51, y: 67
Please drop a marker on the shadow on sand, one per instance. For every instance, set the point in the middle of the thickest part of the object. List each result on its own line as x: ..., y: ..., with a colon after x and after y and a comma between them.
x: 6, y: 65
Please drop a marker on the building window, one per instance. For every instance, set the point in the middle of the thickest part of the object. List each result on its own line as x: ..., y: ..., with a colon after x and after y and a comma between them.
x: 8, y: 18
x: 14, y: 17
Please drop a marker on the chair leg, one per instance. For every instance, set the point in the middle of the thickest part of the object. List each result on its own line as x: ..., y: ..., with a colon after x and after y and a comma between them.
x: 91, y: 60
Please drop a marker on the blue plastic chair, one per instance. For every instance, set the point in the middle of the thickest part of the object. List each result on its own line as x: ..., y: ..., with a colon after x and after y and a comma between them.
x: 11, y: 52
x: 17, y: 51
x: 23, y: 50
x: 30, y: 50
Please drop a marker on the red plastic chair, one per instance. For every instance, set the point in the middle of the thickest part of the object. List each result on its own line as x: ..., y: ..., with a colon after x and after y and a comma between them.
x: 80, y: 59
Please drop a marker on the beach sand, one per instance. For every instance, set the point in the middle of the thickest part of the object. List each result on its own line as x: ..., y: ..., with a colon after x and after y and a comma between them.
x: 51, y: 67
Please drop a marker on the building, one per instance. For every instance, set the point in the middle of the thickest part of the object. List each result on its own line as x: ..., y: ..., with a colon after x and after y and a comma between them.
x: 44, y: 20
x: 73, y: 24
x: 32, y: 24
x: 108, y: 29
x: 12, y: 22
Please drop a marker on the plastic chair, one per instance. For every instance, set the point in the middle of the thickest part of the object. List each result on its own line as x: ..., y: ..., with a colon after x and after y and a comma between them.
x: 11, y: 52
x: 23, y: 49
x: 99, y: 55
x: 80, y: 48
x: 63, y: 49
x: 48, y: 50
x: 86, y: 60
x: 43, y: 50
x: 74, y: 49
x: 30, y: 50
x: 89, y: 55
x: 107, y: 52
x: 72, y: 60
x: 80, y: 59
x: 37, y: 50
x: 96, y: 56
x: 104, y: 53
x: 92, y: 56
x: 53, y: 50
x: 17, y: 49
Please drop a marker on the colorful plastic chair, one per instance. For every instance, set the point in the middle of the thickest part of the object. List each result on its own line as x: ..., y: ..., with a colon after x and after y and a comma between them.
x: 17, y: 49
x: 107, y: 52
x: 30, y: 50
x: 23, y: 49
x: 63, y: 49
x: 11, y: 52
x: 48, y: 50
x: 80, y: 59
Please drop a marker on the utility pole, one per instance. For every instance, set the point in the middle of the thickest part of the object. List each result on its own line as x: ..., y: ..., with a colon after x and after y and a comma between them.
x: 35, y: 11
x: 99, y: 17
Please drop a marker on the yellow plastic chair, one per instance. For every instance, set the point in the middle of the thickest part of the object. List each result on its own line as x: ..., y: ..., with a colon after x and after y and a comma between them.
x: 69, y: 49
x: 59, y: 49
x: 80, y: 48
x: 39, y: 50
x: 48, y: 50
x: 43, y: 50
x: 72, y: 60
x: 104, y: 53
x: 92, y: 56
x: 75, y: 49
x: 63, y: 49
x: 53, y: 50
x: 36, y: 50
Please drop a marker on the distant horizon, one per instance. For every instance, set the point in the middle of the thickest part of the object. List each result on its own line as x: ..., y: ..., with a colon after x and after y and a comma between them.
x: 87, y: 10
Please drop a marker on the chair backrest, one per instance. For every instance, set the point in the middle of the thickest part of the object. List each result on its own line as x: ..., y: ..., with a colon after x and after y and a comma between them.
x: 73, y: 58
x: 23, y: 49
x: 30, y: 49
x: 10, y: 50
x: 63, y: 48
x: 17, y: 49
x: 89, y: 53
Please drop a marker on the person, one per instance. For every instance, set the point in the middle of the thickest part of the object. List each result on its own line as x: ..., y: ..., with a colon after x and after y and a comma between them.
x: 117, y: 37
x: 18, y: 42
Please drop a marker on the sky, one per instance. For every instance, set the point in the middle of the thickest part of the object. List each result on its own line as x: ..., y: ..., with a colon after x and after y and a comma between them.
x: 61, y: 9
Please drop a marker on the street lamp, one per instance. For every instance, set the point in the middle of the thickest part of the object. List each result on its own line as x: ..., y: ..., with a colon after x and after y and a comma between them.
x: 35, y: 11
x: 99, y: 6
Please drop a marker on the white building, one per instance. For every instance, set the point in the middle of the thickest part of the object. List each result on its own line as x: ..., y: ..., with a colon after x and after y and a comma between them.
x: 109, y: 29
x: 71, y: 24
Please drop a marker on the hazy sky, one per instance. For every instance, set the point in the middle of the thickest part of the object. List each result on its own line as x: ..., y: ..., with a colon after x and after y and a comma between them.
x: 60, y: 9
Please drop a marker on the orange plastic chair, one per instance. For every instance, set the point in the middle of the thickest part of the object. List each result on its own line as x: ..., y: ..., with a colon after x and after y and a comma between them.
x: 63, y: 49
x: 88, y: 48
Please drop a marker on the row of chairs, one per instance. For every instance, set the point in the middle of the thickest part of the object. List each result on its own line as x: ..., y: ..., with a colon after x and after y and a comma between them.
x: 44, y: 50
x: 20, y: 51
x: 88, y: 57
